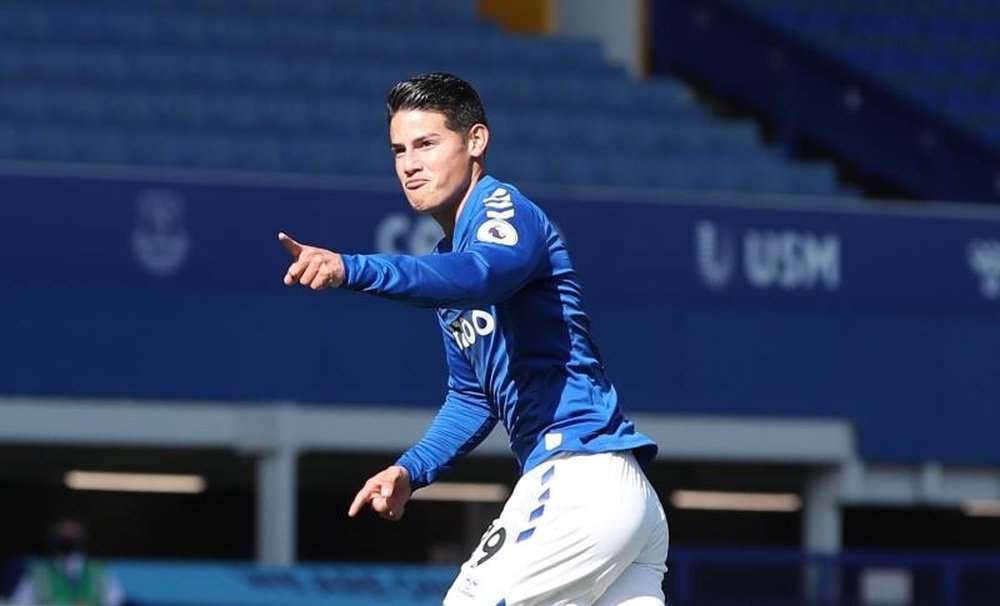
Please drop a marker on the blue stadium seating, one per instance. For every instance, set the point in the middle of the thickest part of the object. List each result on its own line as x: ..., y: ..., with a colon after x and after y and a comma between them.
x: 297, y: 86
x: 944, y: 55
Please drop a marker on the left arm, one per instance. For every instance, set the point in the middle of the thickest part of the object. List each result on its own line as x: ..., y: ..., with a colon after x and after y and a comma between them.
x: 463, y: 421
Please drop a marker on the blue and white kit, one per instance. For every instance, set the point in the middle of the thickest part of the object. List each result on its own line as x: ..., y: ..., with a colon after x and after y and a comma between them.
x: 518, y: 346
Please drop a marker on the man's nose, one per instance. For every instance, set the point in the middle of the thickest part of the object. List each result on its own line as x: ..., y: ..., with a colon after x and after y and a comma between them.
x: 410, y: 163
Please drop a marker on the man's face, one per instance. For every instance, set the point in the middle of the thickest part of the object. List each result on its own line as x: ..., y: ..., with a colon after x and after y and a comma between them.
x: 67, y: 538
x: 434, y: 164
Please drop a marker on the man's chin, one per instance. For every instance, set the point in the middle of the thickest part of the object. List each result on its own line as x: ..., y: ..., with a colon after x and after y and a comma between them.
x: 423, y: 207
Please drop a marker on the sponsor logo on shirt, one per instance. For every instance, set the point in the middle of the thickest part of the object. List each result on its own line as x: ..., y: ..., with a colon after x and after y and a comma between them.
x: 466, y: 329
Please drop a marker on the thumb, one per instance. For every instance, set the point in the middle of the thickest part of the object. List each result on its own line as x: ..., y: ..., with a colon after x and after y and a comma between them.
x: 386, y: 490
x: 293, y: 247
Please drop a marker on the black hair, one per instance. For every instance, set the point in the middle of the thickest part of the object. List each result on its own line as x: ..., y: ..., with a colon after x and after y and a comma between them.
x: 439, y: 92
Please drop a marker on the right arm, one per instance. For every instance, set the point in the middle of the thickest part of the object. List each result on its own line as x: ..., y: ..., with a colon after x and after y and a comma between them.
x: 489, y: 270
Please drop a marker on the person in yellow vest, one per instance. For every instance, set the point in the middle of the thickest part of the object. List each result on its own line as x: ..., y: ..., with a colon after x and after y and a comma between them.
x: 68, y: 577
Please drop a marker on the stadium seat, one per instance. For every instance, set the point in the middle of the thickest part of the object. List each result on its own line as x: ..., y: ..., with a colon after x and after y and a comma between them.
x: 940, y: 54
x: 298, y: 86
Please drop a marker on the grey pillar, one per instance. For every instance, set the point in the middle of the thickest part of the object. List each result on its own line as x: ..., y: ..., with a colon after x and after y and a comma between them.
x: 821, y: 512
x: 276, y: 489
x: 821, y: 532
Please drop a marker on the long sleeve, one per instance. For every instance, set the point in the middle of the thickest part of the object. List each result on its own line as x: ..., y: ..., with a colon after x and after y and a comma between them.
x: 463, y: 421
x: 502, y: 256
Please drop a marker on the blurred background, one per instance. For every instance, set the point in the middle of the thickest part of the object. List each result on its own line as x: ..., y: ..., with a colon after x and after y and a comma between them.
x: 784, y: 214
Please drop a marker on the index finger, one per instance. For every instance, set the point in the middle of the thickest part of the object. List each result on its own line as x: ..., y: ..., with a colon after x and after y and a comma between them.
x: 293, y: 247
x: 363, y: 497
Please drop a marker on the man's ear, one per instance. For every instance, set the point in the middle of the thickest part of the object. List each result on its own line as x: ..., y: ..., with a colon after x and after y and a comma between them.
x: 477, y: 140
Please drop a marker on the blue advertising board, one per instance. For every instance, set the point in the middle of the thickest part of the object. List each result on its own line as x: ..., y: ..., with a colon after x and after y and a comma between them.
x: 163, y: 289
x: 698, y: 575
x: 169, y: 583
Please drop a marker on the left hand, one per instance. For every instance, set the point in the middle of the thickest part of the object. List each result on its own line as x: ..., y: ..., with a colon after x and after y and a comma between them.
x: 385, y: 492
x: 314, y: 267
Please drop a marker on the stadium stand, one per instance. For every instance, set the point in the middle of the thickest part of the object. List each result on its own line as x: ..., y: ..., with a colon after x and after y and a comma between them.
x: 833, y: 354
x: 942, y: 54
x: 902, y: 93
x: 297, y: 86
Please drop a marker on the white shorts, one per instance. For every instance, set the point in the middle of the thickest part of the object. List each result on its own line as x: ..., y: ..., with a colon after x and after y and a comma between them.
x: 578, y: 530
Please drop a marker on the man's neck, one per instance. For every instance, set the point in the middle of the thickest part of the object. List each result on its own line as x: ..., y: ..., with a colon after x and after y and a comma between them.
x: 448, y: 218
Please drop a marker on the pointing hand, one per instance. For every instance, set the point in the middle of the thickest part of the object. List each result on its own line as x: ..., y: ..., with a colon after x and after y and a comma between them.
x: 385, y: 492
x: 316, y: 268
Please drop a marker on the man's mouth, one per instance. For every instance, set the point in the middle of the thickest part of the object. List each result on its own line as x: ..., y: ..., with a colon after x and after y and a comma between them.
x: 415, y: 183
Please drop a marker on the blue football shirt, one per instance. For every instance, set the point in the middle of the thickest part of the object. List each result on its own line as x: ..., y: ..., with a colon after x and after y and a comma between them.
x: 516, y: 338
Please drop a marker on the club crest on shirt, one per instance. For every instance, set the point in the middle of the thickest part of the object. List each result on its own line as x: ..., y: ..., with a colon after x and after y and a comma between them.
x: 497, y: 231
